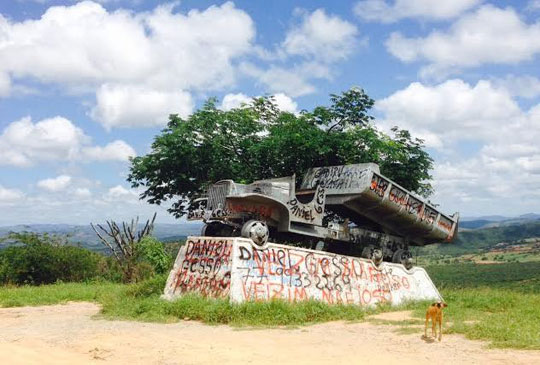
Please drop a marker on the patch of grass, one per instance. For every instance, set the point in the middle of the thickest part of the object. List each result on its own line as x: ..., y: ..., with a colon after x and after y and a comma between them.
x: 12, y: 296
x: 221, y: 311
x: 498, y: 303
x: 142, y: 302
x: 508, y: 318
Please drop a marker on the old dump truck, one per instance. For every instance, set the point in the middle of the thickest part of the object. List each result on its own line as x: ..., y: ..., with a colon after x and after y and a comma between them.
x: 336, y: 208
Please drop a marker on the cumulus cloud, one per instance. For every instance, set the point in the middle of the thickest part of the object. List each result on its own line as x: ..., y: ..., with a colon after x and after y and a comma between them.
x: 82, y: 193
x: 23, y: 143
x: 119, y: 193
x: 449, y: 111
x: 317, y: 42
x: 231, y: 101
x: 291, y: 81
x: 5, y: 84
x: 138, y: 106
x: 55, y: 184
x: 389, y: 12
x: 283, y: 102
x: 159, y: 48
x: 524, y: 86
x: 166, y: 54
x: 8, y: 196
x: 321, y: 36
x: 488, y: 35
x: 114, y: 151
x: 484, y: 116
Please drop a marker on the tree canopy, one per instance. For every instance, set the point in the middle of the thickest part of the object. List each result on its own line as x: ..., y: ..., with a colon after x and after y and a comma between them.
x: 258, y: 141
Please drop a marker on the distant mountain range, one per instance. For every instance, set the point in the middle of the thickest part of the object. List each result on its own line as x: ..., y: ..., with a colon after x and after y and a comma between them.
x: 475, y: 232
x: 495, y: 221
x: 84, y: 235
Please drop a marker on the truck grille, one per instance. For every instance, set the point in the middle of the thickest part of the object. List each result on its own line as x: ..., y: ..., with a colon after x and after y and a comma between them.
x: 217, y: 194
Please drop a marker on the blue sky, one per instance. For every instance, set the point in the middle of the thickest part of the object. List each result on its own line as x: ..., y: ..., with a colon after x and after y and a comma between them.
x: 86, y: 84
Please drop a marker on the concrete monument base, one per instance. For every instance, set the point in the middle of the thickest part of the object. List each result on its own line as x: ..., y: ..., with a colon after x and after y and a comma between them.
x: 235, y: 268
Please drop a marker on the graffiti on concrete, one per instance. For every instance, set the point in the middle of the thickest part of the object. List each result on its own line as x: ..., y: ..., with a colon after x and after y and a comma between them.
x: 203, y: 265
x: 237, y: 269
x: 280, y: 272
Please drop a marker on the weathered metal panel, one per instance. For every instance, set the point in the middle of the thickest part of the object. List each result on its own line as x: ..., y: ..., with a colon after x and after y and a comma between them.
x: 346, y: 179
x: 362, y: 189
x: 235, y: 268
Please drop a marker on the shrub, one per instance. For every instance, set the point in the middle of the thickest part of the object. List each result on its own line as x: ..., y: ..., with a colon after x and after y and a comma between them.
x: 152, y: 251
x: 44, y: 259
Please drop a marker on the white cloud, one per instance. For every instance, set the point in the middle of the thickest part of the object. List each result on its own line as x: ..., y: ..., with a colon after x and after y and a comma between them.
x: 166, y: 54
x: 489, y: 35
x: 23, y: 143
x: 501, y: 172
x: 450, y: 111
x: 294, y: 82
x: 159, y: 48
x: 138, y: 106
x: 321, y: 36
x: 119, y: 193
x: 5, y: 85
x: 319, y: 40
x: 115, y: 151
x: 55, y: 184
x: 231, y: 101
x: 8, y: 196
x: 525, y: 86
x: 389, y: 12
x: 283, y: 102
x: 77, y: 205
x: 82, y: 193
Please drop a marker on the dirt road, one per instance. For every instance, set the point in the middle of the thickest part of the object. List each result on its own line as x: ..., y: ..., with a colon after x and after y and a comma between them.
x: 67, y: 334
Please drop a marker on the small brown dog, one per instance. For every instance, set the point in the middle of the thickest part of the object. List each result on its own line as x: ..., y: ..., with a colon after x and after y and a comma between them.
x: 435, y: 312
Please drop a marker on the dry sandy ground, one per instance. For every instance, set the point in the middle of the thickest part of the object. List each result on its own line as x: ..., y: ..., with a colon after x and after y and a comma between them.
x: 67, y: 334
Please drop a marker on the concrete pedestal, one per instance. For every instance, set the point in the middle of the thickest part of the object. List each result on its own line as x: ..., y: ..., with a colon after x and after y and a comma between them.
x: 235, y: 268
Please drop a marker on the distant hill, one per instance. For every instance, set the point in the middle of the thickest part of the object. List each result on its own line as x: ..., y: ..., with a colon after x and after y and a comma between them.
x: 86, y: 237
x: 496, y: 221
x: 476, y: 240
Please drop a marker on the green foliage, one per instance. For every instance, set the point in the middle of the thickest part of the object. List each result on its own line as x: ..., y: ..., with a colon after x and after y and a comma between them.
x: 258, y: 141
x: 523, y: 277
x: 152, y: 251
x: 44, y: 259
x: 497, y: 302
x: 472, y: 241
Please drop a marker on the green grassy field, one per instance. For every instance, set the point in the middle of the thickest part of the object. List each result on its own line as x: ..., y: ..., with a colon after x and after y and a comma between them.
x: 499, y: 303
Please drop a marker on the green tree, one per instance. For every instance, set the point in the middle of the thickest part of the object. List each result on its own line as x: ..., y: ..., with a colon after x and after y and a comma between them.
x: 258, y: 141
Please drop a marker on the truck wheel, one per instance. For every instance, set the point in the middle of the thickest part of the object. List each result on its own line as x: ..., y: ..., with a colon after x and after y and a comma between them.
x: 257, y: 231
x: 374, y: 254
x: 403, y: 257
x: 216, y: 229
